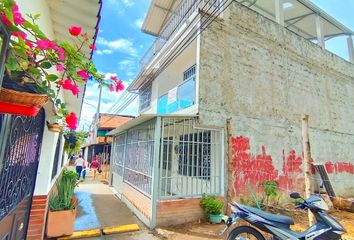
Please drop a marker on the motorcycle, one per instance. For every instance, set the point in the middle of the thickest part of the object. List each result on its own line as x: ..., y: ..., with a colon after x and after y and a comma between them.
x: 326, y: 227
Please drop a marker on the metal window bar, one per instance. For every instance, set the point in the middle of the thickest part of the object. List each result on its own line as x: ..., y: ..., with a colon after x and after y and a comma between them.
x: 118, y: 154
x: 138, y: 162
x: 195, y: 159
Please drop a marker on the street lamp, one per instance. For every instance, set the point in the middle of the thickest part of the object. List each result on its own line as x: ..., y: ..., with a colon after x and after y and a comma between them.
x: 4, y: 45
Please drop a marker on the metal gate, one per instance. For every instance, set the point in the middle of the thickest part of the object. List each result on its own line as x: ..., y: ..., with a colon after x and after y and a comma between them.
x: 20, y: 145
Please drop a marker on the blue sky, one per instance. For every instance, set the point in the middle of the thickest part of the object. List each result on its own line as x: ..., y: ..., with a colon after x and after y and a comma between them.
x: 121, y: 44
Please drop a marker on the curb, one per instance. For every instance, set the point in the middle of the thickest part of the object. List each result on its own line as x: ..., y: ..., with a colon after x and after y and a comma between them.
x: 120, y: 229
x: 83, y: 234
x: 97, y: 232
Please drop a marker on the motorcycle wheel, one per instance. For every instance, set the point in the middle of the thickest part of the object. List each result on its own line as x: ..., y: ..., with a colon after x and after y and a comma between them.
x: 245, y: 233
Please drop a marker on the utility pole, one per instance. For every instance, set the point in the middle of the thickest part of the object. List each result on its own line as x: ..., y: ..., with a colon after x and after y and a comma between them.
x: 97, y: 115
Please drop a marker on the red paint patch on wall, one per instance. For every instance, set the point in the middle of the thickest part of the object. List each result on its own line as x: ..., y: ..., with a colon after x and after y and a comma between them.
x: 339, y: 167
x: 253, y: 169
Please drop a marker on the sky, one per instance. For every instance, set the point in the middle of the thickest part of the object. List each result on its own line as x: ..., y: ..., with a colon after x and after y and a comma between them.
x: 121, y: 44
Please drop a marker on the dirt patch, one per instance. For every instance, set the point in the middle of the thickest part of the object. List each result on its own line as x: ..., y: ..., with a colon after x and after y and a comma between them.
x: 205, y: 230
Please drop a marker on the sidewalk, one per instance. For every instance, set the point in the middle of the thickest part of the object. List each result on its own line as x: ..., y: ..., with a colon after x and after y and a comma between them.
x: 98, y: 207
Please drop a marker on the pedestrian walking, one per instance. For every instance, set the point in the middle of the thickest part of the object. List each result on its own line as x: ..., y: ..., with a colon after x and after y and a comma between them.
x: 79, y: 163
x: 95, y: 166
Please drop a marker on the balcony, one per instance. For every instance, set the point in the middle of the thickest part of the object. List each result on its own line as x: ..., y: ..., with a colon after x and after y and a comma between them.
x: 177, y: 18
x: 178, y: 98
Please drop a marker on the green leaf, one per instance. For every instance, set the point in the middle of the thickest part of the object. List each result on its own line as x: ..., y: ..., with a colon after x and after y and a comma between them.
x: 52, y: 77
x: 11, y: 64
x: 46, y: 65
x: 35, y: 71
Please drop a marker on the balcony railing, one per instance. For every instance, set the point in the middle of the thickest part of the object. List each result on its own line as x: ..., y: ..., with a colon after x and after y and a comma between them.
x: 176, y: 99
x: 178, y: 18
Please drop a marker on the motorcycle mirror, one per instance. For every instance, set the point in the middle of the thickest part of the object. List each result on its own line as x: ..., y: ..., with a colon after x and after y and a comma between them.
x: 295, y: 195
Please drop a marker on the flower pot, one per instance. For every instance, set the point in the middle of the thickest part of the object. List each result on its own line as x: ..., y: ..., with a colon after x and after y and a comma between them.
x: 61, y: 223
x: 16, y: 98
x: 22, y: 103
x: 215, y: 218
x: 54, y: 127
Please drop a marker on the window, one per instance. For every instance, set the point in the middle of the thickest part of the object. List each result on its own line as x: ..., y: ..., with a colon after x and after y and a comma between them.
x: 195, y: 155
x: 189, y: 73
x: 145, y: 98
x: 56, y: 157
x: 184, y: 98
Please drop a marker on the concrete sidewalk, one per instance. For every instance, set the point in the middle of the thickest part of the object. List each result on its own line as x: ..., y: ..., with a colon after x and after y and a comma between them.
x: 98, y: 207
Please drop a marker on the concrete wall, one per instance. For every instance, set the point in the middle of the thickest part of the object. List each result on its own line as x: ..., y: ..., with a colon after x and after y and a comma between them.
x: 265, y: 77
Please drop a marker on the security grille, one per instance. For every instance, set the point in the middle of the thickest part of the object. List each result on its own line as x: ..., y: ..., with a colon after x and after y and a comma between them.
x: 190, y: 159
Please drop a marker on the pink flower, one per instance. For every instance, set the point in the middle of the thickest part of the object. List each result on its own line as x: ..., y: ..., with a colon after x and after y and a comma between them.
x: 119, y: 86
x: 19, y: 34
x: 61, y: 57
x: 15, y: 8
x: 114, y: 78
x: 83, y: 74
x: 71, y: 121
x: 93, y: 47
x: 5, y: 19
x: 43, y: 44
x: 75, y: 30
x: 18, y: 19
x: 61, y: 53
x: 111, y: 87
x: 29, y: 44
x: 69, y: 85
x: 60, y: 68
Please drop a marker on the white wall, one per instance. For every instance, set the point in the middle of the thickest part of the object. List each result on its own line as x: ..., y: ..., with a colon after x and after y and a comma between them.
x: 44, y: 182
x: 172, y: 76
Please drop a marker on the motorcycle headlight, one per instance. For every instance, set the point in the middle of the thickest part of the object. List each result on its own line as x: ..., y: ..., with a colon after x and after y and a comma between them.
x: 321, y: 204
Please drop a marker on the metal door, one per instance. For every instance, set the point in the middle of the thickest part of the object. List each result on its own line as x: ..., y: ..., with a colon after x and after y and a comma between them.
x: 20, y: 145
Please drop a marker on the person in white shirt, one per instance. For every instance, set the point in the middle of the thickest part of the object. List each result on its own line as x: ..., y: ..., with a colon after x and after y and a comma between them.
x: 79, y: 163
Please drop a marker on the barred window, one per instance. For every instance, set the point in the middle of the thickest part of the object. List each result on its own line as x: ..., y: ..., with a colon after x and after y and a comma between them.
x: 145, y: 98
x: 195, y: 155
x: 189, y: 73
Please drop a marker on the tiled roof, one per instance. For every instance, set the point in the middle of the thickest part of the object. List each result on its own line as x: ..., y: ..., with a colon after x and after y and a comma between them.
x: 112, y: 121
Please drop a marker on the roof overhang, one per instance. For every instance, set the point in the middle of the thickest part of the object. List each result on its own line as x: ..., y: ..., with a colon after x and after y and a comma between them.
x: 83, y: 13
x: 144, y: 118
x: 300, y: 17
x: 159, y: 12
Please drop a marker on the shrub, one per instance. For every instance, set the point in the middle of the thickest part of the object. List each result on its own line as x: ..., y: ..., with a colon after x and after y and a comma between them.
x: 210, y: 205
x: 62, y: 200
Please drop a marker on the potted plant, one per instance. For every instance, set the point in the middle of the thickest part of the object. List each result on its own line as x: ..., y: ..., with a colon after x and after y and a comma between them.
x: 39, y: 69
x: 63, y: 206
x: 212, y: 208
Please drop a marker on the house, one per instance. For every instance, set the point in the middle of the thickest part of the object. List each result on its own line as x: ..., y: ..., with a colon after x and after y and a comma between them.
x: 98, y: 142
x: 262, y: 63
x: 32, y: 157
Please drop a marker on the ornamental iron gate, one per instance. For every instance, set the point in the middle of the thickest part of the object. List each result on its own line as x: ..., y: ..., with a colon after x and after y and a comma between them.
x: 20, y: 145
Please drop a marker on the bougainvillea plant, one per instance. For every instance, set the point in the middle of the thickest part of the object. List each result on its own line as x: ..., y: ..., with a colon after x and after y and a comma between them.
x: 52, y: 66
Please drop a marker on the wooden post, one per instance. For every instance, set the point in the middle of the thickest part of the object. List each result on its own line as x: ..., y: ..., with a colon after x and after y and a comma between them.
x: 307, y: 162
x: 230, y: 177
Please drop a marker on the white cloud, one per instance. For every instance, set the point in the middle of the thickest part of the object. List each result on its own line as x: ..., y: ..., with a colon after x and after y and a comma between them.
x: 128, y: 66
x: 104, y: 51
x: 122, y: 44
x: 121, y: 5
x: 138, y: 23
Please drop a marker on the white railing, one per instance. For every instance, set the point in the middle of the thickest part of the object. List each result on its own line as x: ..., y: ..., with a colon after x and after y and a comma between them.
x: 177, y: 19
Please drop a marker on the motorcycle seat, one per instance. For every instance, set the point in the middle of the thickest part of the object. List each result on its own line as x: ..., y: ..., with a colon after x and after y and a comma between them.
x: 269, y: 216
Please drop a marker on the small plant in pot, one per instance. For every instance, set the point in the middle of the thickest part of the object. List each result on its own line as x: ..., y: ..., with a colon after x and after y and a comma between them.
x: 212, y: 208
x: 63, y: 206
